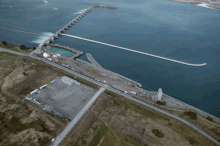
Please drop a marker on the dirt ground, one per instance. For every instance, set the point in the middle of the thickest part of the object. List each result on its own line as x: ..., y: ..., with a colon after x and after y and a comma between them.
x: 21, y: 124
x: 35, y: 81
x: 100, y: 75
x: 135, y: 121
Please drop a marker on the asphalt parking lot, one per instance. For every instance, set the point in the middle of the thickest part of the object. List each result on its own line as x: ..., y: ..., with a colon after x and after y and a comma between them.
x: 64, y: 100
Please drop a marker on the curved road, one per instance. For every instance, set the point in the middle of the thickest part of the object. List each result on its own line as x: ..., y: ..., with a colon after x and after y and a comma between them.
x: 123, y: 94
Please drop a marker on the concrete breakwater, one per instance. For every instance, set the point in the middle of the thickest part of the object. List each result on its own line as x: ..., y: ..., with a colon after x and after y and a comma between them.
x: 107, y: 6
x: 134, y: 51
x: 78, y: 53
x: 120, y: 77
x: 93, y: 61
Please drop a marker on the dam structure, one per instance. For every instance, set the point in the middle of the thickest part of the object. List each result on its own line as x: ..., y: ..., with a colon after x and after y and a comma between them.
x: 75, y: 20
x: 66, y: 27
x: 203, y: 64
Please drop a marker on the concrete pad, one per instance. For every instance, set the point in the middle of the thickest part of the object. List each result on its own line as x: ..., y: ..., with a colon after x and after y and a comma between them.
x: 64, y: 99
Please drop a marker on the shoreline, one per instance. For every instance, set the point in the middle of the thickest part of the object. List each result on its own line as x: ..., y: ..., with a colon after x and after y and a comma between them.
x: 205, y: 4
x: 142, y: 103
x: 175, y: 103
x: 170, y: 101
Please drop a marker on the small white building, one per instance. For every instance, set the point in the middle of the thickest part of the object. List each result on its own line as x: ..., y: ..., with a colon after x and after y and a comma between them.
x: 159, y: 94
x: 54, y: 56
x: 44, y: 86
x: 35, y: 91
x: 132, y: 92
x: 45, y: 55
x: 49, y: 59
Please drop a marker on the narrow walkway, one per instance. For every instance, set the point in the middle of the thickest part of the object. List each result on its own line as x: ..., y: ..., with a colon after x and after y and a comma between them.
x: 93, y: 61
x: 69, y: 127
x: 134, y: 51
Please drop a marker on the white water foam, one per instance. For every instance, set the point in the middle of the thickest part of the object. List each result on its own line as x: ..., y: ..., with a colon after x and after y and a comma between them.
x: 80, y: 11
x: 46, y: 1
x: 55, y: 8
x: 204, y: 5
x: 41, y: 39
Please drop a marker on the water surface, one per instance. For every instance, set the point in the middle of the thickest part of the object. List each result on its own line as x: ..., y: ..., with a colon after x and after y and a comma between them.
x: 169, y: 29
x: 62, y: 52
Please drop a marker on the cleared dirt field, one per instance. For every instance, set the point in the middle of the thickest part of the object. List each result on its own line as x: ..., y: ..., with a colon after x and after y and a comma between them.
x: 135, y: 121
x: 36, y: 80
x: 21, y: 124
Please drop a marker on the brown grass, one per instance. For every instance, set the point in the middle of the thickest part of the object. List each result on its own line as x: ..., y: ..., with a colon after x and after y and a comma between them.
x: 20, y: 123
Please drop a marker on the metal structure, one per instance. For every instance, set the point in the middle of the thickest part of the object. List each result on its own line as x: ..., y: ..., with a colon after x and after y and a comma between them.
x: 159, y: 94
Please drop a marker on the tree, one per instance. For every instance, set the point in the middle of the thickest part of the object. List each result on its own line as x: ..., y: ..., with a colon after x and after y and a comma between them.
x: 4, y: 43
x: 209, y: 118
x: 34, y: 48
x: 23, y: 47
x: 158, y: 133
x: 161, y: 102
x: 191, y: 114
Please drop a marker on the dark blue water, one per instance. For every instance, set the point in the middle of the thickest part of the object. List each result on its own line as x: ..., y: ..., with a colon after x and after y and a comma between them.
x: 170, y: 29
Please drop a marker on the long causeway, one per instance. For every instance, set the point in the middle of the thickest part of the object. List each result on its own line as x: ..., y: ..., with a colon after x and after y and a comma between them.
x: 133, y: 50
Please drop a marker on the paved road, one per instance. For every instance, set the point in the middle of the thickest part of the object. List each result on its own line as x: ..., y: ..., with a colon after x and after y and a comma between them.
x: 69, y: 127
x: 13, y: 52
x: 168, y: 114
x: 120, y: 93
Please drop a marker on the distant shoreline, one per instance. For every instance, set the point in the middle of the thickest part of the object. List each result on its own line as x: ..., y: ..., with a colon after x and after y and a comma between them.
x: 206, y: 4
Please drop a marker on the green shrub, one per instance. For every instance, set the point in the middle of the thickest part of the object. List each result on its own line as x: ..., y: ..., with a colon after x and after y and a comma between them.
x: 158, y: 133
x: 4, y: 43
x: 161, y: 103
x: 191, y: 114
x: 23, y: 47
x: 170, y: 124
x: 192, y: 141
x: 209, y: 118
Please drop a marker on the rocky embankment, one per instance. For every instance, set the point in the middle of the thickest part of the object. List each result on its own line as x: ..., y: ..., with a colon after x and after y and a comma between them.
x: 215, y: 4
